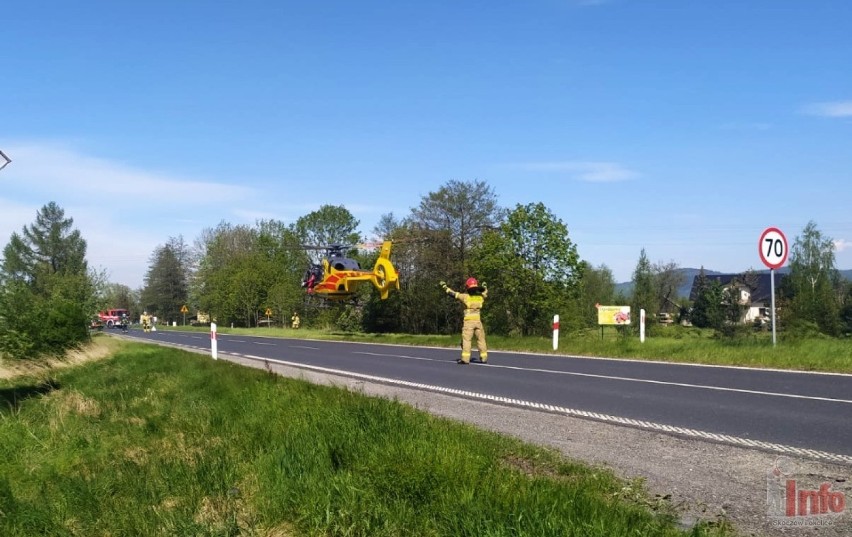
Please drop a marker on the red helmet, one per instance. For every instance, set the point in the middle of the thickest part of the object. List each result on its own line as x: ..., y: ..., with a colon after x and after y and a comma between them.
x: 471, y: 283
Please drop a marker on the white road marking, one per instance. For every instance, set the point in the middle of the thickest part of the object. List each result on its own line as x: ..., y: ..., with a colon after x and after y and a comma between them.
x: 304, y: 347
x: 606, y: 359
x: 262, y: 343
x: 402, y: 356
x: 631, y: 379
x: 640, y: 424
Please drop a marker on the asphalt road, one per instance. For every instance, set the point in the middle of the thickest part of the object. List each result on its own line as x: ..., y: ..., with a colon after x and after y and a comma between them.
x: 803, y: 414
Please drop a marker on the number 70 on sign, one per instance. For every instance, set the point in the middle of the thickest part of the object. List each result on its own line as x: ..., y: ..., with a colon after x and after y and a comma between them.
x: 773, y: 248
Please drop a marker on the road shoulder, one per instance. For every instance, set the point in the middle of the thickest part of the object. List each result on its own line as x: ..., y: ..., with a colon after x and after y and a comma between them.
x: 701, y: 479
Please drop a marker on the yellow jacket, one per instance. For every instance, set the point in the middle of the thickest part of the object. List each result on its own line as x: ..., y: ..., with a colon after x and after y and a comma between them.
x: 472, y: 303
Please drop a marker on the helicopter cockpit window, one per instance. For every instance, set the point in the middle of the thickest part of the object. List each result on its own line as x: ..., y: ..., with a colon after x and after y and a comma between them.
x: 344, y: 263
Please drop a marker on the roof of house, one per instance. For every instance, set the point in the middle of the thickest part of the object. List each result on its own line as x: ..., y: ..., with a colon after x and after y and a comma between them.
x: 762, y: 293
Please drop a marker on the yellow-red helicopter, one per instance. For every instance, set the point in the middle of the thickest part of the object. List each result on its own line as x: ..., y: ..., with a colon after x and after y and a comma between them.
x: 338, y: 277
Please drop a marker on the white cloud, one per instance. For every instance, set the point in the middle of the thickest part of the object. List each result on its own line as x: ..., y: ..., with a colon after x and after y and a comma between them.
x: 48, y: 167
x: 842, y: 244
x: 592, y: 172
x: 830, y: 109
x: 122, y: 211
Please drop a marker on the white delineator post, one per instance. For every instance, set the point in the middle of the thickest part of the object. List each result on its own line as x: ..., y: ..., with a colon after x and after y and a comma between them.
x: 642, y: 325
x: 214, y: 347
x: 555, y: 332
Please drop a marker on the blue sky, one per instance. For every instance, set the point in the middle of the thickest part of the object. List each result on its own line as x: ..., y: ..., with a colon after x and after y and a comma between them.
x: 685, y: 128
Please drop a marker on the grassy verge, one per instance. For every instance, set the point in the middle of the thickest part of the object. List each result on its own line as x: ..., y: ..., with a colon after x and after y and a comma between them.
x: 158, y: 441
x: 673, y: 343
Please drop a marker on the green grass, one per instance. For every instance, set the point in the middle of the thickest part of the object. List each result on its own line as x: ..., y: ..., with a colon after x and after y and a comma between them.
x: 671, y: 343
x: 159, y: 441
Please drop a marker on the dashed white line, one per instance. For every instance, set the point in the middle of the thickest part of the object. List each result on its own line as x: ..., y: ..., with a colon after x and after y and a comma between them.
x: 632, y: 379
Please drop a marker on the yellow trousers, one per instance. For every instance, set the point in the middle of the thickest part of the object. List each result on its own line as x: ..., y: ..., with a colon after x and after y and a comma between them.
x: 469, y: 330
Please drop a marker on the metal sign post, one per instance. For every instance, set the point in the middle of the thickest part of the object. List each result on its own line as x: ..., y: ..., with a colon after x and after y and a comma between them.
x: 772, y: 301
x: 772, y: 248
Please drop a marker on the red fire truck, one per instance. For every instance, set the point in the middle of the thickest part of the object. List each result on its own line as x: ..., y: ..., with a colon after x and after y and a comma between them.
x: 114, y: 318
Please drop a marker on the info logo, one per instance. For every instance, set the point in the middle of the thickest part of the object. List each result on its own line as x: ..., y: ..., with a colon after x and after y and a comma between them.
x: 795, y: 498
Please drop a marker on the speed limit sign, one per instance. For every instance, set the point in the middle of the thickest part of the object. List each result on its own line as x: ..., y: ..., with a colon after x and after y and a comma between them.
x: 773, y: 248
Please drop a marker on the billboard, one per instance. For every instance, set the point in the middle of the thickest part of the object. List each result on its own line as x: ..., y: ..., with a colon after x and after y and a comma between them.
x: 613, y: 315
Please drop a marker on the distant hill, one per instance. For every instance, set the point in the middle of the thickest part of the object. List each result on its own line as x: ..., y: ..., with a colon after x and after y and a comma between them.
x: 690, y: 273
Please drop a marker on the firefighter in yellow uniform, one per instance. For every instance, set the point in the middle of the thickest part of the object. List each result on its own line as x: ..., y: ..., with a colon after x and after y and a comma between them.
x: 472, y: 299
x: 296, y: 321
x: 145, y: 321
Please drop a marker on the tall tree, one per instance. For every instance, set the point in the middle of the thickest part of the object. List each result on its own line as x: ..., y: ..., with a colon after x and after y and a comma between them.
x: 48, y: 246
x: 708, y: 310
x: 814, y: 281
x: 667, y: 280
x: 47, y: 294
x: 219, y: 249
x: 387, y: 225
x: 597, y: 287
x: 245, y: 270
x: 644, y: 292
x: 463, y: 210
x: 430, y: 245
x: 116, y: 295
x: 533, y: 268
x: 329, y: 224
x: 166, y: 289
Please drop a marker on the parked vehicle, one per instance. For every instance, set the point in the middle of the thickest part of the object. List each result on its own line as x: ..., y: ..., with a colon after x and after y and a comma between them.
x: 114, y: 318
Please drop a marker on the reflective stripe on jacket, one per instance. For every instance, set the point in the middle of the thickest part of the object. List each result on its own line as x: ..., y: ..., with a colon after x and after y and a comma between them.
x: 472, y: 303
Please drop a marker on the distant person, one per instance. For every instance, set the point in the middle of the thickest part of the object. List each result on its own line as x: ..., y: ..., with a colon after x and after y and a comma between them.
x: 145, y: 321
x: 125, y: 321
x: 296, y: 322
x: 473, y: 299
